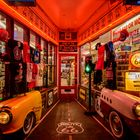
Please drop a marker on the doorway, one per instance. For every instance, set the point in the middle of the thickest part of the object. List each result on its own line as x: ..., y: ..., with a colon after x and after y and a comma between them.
x: 68, y: 75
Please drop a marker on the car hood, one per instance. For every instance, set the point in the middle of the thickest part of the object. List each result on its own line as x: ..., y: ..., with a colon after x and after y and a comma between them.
x: 13, y: 102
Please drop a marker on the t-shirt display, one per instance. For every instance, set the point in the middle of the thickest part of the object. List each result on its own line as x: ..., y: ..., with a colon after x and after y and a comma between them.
x: 26, y: 52
x: 34, y: 55
x: 16, y: 50
x: 39, y: 76
x: 34, y: 70
x: 18, y: 78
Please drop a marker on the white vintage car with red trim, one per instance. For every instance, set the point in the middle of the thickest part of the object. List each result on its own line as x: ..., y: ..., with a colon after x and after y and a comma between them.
x: 122, y: 110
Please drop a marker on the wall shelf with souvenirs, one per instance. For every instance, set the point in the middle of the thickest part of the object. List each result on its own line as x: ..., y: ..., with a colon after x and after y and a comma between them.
x: 128, y: 71
x: 132, y: 77
x: 122, y: 59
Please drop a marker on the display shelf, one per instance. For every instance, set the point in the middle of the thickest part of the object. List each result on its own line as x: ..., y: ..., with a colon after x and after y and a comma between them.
x: 122, y: 67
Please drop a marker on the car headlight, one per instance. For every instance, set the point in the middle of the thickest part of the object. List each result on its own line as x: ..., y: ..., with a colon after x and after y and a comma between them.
x: 136, y: 109
x: 5, y: 116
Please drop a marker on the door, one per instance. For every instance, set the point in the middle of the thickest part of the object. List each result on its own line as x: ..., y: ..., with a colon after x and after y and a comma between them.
x: 67, y: 75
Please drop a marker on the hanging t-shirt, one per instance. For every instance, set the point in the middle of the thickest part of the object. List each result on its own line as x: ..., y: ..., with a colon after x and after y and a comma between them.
x: 16, y: 50
x: 32, y: 51
x: 100, y: 61
x: 32, y: 84
x: 29, y: 72
x: 26, y: 52
x: 18, y: 77
x: 36, y: 56
x: 39, y: 76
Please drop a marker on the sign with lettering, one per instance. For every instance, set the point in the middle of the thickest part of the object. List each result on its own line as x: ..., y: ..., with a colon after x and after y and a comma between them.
x: 82, y: 94
x: 70, y: 128
x: 22, y: 2
x: 132, y: 81
x: 132, y: 26
x: 68, y: 46
x: 135, y: 60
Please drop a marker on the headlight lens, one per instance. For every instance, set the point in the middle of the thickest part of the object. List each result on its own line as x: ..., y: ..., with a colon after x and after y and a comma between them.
x: 5, y: 117
x: 137, y: 110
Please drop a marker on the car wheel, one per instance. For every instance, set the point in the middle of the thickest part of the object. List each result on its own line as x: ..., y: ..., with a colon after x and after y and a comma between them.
x: 28, y: 123
x: 116, y: 125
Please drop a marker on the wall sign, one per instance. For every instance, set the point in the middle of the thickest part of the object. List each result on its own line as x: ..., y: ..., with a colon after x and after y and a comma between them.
x: 132, y: 81
x: 135, y: 60
x: 22, y: 2
x: 67, y: 35
x: 110, y: 17
x: 68, y: 46
x: 82, y: 94
x: 131, y: 26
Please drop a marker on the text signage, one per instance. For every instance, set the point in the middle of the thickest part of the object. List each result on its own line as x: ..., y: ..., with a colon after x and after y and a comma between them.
x: 135, y: 60
x: 22, y: 2
x: 68, y: 46
x: 132, y: 26
x: 82, y: 94
x: 132, y: 81
x: 69, y: 128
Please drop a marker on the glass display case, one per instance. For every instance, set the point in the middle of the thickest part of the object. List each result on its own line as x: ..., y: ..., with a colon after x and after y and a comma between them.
x: 4, y: 81
x: 51, y: 64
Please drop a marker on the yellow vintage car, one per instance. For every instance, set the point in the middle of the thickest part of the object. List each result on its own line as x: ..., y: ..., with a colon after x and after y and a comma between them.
x: 21, y: 112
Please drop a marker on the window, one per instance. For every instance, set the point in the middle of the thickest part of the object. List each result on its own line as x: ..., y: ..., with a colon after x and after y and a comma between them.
x: 2, y: 22
x: 18, y: 32
x: 51, y: 64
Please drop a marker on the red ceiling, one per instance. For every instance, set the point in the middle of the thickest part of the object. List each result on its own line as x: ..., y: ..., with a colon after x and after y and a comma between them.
x: 72, y: 14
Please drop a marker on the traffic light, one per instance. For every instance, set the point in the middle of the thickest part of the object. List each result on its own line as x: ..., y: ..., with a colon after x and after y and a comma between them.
x: 88, y: 64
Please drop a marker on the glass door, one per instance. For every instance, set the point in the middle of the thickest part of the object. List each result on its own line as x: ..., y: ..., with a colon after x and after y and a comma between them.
x: 68, y: 75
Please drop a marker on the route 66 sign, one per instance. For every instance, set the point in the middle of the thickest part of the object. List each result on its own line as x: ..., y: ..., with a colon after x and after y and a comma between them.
x: 135, y: 60
x: 69, y: 128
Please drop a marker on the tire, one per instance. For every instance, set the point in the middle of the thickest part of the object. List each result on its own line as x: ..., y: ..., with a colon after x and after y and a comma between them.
x: 28, y: 123
x: 116, y: 125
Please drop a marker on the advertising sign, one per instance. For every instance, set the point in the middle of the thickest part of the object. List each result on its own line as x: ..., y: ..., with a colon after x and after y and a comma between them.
x: 135, y: 60
x: 82, y: 94
x: 22, y: 2
x: 132, y: 81
x: 68, y: 46
x: 132, y: 26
